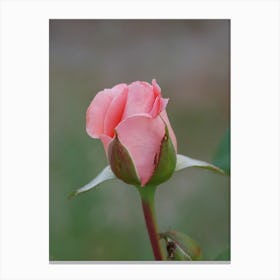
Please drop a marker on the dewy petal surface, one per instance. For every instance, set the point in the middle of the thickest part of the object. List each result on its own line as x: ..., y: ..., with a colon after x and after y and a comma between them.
x: 142, y: 137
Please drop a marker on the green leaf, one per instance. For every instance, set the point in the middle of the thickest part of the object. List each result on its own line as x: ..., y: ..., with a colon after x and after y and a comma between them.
x: 222, y: 156
x: 224, y: 256
x: 185, y: 162
x: 180, y: 246
x: 104, y: 175
x: 121, y: 163
x: 166, y: 162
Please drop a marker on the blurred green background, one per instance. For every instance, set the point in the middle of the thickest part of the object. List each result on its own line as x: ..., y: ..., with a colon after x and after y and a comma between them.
x: 191, y: 61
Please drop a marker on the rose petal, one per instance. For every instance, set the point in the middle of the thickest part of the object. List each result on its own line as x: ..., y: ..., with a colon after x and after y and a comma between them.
x: 156, y: 108
x: 106, y: 140
x: 140, y: 99
x: 156, y: 88
x: 142, y: 137
x: 97, y: 110
x: 159, y: 105
x: 157, y: 93
x: 115, y: 112
x: 164, y: 102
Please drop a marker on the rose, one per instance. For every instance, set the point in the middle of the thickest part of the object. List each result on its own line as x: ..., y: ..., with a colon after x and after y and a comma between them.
x: 132, y: 123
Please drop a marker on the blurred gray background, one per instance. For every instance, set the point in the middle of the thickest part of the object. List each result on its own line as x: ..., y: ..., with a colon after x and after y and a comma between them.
x: 191, y: 61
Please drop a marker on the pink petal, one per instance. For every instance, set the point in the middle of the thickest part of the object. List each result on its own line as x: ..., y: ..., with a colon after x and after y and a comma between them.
x: 115, y: 112
x: 162, y: 111
x: 163, y: 104
x: 96, y: 113
x: 163, y: 114
x: 142, y: 137
x: 156, y: 108
x: 105, y: 139
x: 140, y: 99
x: 157, y: 94
x: 97, y: 110
x: 156, y: 88
x: 159, y: 105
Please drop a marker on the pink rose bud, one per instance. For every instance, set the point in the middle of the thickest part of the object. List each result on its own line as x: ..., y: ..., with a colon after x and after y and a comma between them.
x: 132, y: 123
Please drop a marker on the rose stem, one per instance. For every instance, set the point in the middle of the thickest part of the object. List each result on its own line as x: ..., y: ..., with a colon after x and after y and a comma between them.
x: 147, y: 198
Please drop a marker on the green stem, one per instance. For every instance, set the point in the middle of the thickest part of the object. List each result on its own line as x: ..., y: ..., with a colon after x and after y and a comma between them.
x: 147, y: 198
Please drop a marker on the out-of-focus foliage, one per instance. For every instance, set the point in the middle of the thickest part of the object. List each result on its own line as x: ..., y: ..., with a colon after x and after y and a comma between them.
x: 190, y: 60
x: 223, y: 256
x: 222, y: 157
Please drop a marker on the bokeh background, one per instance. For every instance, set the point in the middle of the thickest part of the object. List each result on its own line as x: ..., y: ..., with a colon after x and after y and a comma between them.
x: 191, y: 61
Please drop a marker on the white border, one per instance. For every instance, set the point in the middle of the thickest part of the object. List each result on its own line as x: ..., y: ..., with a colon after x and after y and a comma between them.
x: 255, y: 138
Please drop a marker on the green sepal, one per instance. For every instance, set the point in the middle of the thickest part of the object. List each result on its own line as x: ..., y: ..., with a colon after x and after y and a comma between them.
x: 121, y: 162
x: 104, y: 175
x: 165, y: 162
x: 185, y: 162
x: 180, y: 246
